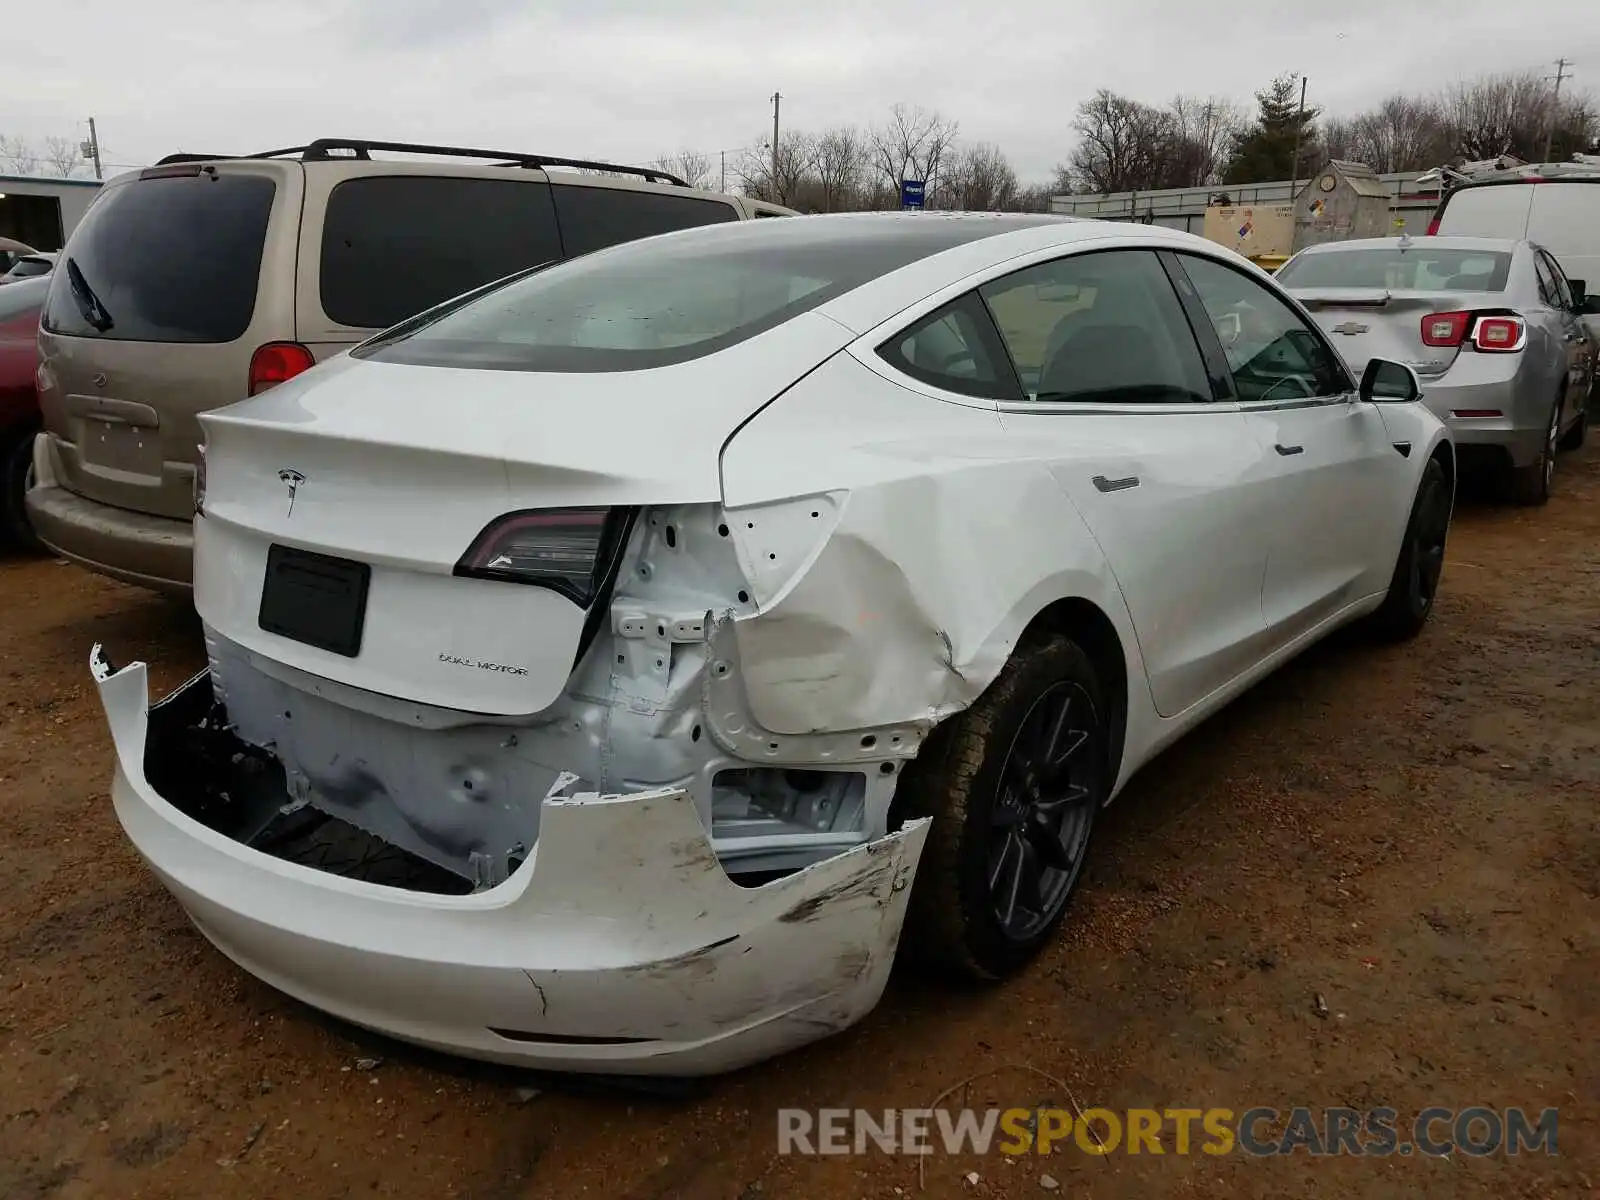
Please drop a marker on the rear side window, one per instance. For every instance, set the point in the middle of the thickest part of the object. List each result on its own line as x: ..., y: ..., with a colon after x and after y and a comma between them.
x: 1419, y: 267
x: 954, y: 348
x: 593, y: 218
x: 394, y: 245
x: 164, y: 260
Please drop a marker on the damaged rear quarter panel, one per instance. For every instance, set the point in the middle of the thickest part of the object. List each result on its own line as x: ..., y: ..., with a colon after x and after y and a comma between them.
x: 931, y: 550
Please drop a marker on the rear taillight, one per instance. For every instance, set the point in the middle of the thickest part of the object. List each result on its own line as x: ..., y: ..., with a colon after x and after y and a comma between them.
x: 1445, y: 329
x: 200, y: 480
x: 1498, y: 335
x: 276, y: 362
x: 1433, y: 227
x: 569, y: 550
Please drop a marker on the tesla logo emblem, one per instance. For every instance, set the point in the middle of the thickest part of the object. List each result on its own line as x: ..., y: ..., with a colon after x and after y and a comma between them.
x: 100, y: 379
x: 1350, y: 328
x: 293, y: 479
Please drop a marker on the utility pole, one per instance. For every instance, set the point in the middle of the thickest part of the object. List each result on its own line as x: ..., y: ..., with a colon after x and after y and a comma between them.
x: 1555, y: 106
x: 92, y: 149
x: 1299, y: 131
x: 723, y: 154
x: 776, y: 100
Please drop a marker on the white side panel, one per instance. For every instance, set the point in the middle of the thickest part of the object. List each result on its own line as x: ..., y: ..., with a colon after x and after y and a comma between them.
x: 908, y: 590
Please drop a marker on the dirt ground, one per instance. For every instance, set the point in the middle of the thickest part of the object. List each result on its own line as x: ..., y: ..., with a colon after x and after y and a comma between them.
x: 1412, y: 834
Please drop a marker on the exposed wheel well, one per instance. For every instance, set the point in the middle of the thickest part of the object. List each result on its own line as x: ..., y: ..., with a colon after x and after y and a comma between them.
x: 1086, y: 624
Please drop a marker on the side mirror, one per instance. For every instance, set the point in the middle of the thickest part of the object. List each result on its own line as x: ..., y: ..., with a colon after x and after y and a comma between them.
x: 1385, y: 382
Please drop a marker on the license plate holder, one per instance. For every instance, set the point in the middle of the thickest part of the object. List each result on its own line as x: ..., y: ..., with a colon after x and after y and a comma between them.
x: 315, y: 599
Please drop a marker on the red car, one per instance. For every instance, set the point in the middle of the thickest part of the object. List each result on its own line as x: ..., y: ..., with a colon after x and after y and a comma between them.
x: 19, y: 401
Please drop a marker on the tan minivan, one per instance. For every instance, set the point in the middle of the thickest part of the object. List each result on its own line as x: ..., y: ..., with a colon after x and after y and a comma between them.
x: 201, y: 281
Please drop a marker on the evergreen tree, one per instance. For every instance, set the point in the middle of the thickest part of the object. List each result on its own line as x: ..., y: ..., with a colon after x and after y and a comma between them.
x: 1265, y: 151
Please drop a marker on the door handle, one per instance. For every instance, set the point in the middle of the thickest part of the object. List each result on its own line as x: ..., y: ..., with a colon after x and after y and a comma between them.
x: 1115, y: 485
x: 1287, y: 450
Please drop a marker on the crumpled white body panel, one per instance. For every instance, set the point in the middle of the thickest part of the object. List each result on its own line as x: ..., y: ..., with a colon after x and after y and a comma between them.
x: 620, y: 946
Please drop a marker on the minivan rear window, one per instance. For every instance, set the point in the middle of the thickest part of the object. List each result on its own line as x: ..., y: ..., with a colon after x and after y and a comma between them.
x: 593, y: 218
x: 173, y: 259
x: 394, y: 245
x: 1420, y: 267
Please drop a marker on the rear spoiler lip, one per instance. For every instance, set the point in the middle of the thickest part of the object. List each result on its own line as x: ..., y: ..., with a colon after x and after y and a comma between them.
x: 1315, y: 298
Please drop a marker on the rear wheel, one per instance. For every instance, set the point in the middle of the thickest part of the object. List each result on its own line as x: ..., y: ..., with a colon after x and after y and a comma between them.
x: 1530, y: 485
x: 1415, y: 582
x: 1014, y: 784
x: 16, y: 471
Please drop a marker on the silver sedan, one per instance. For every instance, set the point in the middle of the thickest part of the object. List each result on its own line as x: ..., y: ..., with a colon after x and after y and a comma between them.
x: 1490, y: 325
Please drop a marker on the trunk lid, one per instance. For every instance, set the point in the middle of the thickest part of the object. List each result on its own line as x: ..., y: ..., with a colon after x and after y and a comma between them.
x: 401, y: 467
x: 164, y: 290
x: 1377, y: 323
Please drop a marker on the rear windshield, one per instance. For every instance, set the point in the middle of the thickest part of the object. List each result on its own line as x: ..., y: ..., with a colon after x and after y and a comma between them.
x: 29, y: 266
x: 173, y: 259
x: 670, y: 299
x: 1415, y: 269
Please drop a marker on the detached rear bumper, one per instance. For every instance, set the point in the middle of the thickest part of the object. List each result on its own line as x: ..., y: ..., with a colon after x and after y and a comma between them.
x: 619, y: 946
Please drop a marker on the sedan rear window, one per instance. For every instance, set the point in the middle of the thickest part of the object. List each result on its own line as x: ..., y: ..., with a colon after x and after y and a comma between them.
x: 669, y: 299
x: 173, y: 259
x: 1393, y: 269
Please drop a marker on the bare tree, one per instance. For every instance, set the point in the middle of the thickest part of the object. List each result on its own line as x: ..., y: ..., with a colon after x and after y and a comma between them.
x: 1123, y: 145
x: 978, y: 178
x: 18, y: 155
x: 841, y: 163
x: 1404, y: 133
x: 914, y: 143
x: 63, y: 156
x: 1498, y: 114
x: 779, y: 177
x: 1204, y: 133
x: 691, y: 166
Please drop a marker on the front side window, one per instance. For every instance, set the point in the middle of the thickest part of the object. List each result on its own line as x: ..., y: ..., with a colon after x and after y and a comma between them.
x: 953, y: 348
x: 1099, y: 328
x: 1272, y: 353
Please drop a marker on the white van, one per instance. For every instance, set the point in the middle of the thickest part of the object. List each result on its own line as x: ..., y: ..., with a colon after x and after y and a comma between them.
x: 1556, y: 205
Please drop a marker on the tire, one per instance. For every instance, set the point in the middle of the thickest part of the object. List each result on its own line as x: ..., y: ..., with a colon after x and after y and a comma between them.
x: 16, y: 467
x: 1530, y: 485
x: 986, y: 840
x: 1575, y: 437
x: 1415, y: 582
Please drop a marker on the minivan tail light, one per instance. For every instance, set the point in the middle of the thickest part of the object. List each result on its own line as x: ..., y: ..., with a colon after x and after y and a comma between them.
x: 1498, y: 335
x: 1445, y: 328
x: 571, y: 551
x: 1433, y: 227
x: 277, y: 362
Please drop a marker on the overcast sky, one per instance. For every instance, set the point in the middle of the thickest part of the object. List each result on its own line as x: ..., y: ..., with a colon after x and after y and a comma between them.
x: 630, y: 79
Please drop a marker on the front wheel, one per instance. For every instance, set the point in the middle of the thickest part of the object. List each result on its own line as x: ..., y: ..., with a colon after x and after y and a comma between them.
x: 1014, y: 784
x: 1415, y: 581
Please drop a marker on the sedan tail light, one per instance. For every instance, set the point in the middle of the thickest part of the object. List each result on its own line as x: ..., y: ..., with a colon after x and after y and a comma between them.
x: 1499, y: 335
x: 1445, y: 329
x: 1493, y: 333
x: 276, y: 362
x: 572, y: 551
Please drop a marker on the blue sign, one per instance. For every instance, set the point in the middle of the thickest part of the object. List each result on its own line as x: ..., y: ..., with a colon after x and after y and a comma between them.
x: 911, y: 193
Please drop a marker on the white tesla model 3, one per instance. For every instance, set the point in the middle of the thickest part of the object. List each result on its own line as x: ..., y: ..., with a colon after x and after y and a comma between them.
x: 607, y: 665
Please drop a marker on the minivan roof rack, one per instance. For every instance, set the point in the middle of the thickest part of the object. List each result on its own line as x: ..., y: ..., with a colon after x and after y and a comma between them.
x: 324, y: 150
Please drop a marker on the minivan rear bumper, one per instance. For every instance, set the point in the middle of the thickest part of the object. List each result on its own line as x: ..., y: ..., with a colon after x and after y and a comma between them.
x: 137, y: 548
